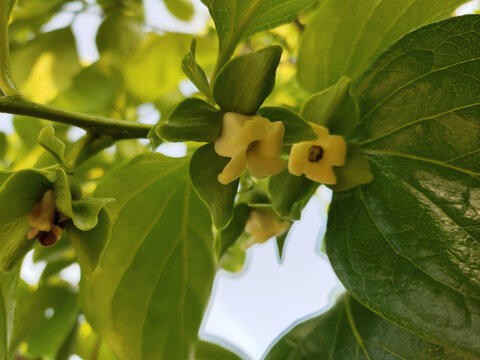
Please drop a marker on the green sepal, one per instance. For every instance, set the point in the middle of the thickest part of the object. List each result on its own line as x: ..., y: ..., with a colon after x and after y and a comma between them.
x: 254, y: 196
x: 355, y: 172
x: 192, y: 120
x: 290, y: 193
x: 244, y: 82
x: 90, y: 244
x: 335, y: 108
x: 281, y: 240
x: 63, y: 194
x: 229, y: 235
x: 86, y: 212
x: 195, y: 73
x: 205, y: 166
x: 52, y: 144
x: 18, y: 196
x: 296, y: 129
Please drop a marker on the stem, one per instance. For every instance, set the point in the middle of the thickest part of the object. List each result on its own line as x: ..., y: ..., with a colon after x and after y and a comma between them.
x: 72, y: 158
x: 97, y: 125
x: 6, y: 83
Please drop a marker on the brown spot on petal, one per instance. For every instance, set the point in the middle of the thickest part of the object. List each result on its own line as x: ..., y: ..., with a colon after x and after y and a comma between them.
x: 315, y: 153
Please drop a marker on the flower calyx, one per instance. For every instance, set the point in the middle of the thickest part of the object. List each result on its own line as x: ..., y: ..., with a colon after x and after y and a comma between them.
x: 251, y: 141
x: 46, y: 222
x: 316, y: 158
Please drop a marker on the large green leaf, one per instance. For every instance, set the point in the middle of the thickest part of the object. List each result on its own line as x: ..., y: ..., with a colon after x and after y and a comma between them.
x: 150, y: 287
x: 407, y: 245
x: 208, y: 351
x: 351, y: 331
x: 238, y: 19
x: 345, y: 36
x: 8, y: 314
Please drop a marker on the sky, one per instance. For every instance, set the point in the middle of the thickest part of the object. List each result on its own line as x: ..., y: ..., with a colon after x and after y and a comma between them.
x: 248, y: 310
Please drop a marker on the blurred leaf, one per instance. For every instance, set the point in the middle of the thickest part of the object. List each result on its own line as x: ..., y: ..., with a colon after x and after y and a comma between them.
x: 92, y: 91
x: 208, y: 351
x: 236, y: 20
x: 155, y: 69
x: 218, y: 197
x: 407, y: 244
x: 18, y: 196
x: 335, y: 108
x: 182, y: 9
x: 89, y: 344
x: 3, y: 145
x: 119, y: 37
x: 290, y: 193
x: 245, y: 81
x: 54, y: 267
x: 68, y: 346
x: 46, y: 317
x: 52, y: 144
x: 9, y: 313
x: 234, y: 259
x: 336, y: 44
x: 161, y: 243
x: 296, y: 129
x: 45, y: 66
x: 192, y: 120
x: 236, y: 227
x: 351, y: 331
x: 195, y: 73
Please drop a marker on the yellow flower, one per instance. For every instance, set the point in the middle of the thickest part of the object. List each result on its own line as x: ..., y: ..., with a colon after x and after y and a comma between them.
x: 251, y: 140
x: 316, y: 158
x: 263, y: 226
x: 45, y: 221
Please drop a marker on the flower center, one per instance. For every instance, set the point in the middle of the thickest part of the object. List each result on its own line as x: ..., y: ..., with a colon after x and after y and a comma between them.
x: 315, y: 153
x: 252, y: 146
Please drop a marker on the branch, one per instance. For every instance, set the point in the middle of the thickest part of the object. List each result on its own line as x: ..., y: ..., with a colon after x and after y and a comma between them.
x: 97, y: 125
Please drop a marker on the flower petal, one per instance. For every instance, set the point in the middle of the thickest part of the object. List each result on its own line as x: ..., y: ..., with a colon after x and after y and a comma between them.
x: 299, y: 158
x: 253, y: 130
x: 262, y: 166
x: 336, y: 151
x: 233, y: 169
x: 322, y: 134
x: 271, y: 144
x: 226, y: 144
x: 321, y: 172
x: 43, y: 213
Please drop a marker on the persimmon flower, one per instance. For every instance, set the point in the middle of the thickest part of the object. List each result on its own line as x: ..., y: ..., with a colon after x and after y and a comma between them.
x: 45, y: 221
x: 263, y: 226
x: 252, y: 141
x: 316, y: 158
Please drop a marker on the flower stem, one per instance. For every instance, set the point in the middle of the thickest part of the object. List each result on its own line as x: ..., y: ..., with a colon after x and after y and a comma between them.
x: 97, y: 125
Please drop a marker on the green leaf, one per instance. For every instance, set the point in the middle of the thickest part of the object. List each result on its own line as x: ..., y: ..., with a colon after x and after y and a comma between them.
x: 355, y: 172
x: 351, y: 331
x: 3, y: 145
x: 407, y: 244
x: 245, y: 81
x: 63, y: 195
x: 281, y: 240
x: 18, y: 196
x: 335, y: 108
x: 218, y: 197
x: 46, y: 317
x: 192, y: 120
x: 151, y: 285
x: 195, y: 73
x: 9, y: 313
x: 234, y: 259
x: 236, y: 20
x: 90, y: 244
x: 52, y: 144
x: 45, y: 66
x: 233, y: 231
x: 336, y: 44
x: 86, y: 212
x: 296, y: 129
x: 182, y: 9
x: 290, y: 193
x: 207, y: 351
